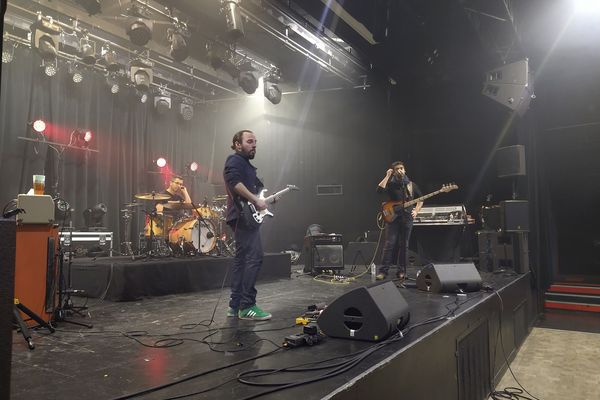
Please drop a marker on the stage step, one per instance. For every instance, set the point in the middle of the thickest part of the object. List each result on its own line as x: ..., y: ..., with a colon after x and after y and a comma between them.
x: 576, y: 297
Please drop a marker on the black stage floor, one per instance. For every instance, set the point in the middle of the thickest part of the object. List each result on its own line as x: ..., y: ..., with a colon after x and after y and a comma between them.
x: 186, y: 339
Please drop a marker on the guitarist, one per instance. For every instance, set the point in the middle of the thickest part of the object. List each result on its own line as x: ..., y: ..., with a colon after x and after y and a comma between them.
x: 243, y: 185
x: 398, y: 187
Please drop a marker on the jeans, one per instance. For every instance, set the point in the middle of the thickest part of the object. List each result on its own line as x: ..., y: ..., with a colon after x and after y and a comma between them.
x: 395, y: 247
x: 246, y: 265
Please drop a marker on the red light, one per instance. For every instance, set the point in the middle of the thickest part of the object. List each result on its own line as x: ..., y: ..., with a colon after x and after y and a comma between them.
x: 194, y: 166
x: 161, y: 162
x: 39, y: 126
x: 87, y: 136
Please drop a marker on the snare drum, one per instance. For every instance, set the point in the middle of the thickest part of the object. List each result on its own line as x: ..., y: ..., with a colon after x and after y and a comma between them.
x: 193, y: 235
x: 205, y: 212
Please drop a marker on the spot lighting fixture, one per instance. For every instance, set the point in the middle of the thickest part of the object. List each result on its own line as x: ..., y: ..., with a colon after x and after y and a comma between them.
x: 179, y: 48
x: 87, y: 50
x: 271, y: 90
x: 248, y: 82
x: 91, y: 6
x: 109, y: 58
x: 50, y: 67
x: 161, y: 162
x: 76, y: 74
x: 162, y: 103
x: 143, y: 98
x: 186, y: 111
x: 93, y: 216
x: 39, y: 126
x: 82, y: 138
x: 45, y: 36
x: 193, y: 166
x: 8, y: 52
x: 141, y: 74
x: 140, y: 29
x: 113, y: 83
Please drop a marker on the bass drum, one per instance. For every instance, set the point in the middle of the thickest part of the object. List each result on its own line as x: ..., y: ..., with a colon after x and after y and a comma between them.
x: 191, y: 236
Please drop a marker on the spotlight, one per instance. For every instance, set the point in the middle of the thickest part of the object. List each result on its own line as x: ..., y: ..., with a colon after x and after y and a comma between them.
x: 144, y: 98
x: 76, y: 74
x: 87, y: 50
x: 179, y: 48
x: 50, y: 67
x: 8, y: 52
x: 141, y: 74
x: 113, y: 84
x: 186, y: 111
x: 161, y: 162
x: 248, y: 82
x: 272, y: 92
x: 39, y: 126
x: 62, y: 210
x: 233, y: 18
x: 162, y: 103
x: 91, y: 6
x: 140, y: 29
x: 45, y: 37
x: 109, y: 58
x: 194, y: 166
x: 93, y: 216
x: 82, y: 138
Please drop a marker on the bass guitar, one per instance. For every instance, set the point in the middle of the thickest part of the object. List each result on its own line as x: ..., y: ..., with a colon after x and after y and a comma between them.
x: 388, y: 209
x: 253, y: 217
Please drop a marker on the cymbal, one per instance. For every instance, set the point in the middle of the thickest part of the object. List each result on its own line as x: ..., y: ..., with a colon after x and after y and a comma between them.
x: 132, y: 205
x: 220, y: 198
x: 152, y: 196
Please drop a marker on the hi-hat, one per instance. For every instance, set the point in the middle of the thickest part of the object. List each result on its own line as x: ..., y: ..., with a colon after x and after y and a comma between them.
x: 132, y: 205
x: 152, y: 196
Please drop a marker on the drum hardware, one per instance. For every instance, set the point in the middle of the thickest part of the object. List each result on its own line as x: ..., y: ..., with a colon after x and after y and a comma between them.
x: 155, y: 197
x: 127, y: 216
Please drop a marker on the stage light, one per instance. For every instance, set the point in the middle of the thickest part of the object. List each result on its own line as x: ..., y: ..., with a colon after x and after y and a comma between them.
x: 81, y: 138
x: 140, y: 29
x: 141, y: 74
x: 144, y: 98
x: 8, y: 52
x: 233, y: 18
x: 270, y: 89
x: 87, y: 50
x: 76, y: 74
x: 179, y: 48
x: 39, y: 126
x: 50, y: 67
x: 248, y: 82
x: 45, y: 36
x: 113, y: 84
x: 91, y: 6
x: 109, y: 58
x: 162, y: 103
x: 88, y: 136
x: 186, y: 111
x: 194, y: 166
x: 161, y: 162
x: 93, y: 216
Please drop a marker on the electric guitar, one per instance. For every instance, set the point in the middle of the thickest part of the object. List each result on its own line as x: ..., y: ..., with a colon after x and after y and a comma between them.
x: 254, y: 217
x: 388, y: 209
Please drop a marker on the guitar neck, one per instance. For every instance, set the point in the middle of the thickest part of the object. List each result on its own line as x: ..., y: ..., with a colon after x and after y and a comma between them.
x: 270, y: 199
x: 418, y: 199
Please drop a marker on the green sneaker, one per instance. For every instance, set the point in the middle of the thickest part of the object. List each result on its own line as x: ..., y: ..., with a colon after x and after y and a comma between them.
x: 254, y: 313
x: 232, y: 312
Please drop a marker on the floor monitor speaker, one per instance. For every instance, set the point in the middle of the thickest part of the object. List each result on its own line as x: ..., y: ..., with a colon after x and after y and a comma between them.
x: 370, y: 313
x: 461, y: 277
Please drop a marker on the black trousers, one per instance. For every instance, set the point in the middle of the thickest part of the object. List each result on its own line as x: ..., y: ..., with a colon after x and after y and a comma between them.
x: 395, y: 247
x: 246, y: 265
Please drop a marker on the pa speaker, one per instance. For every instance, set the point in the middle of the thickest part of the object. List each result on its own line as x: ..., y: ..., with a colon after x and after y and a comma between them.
x: 510, y: 161
x: 437, y: 278
x: 366, y: 313
x: 514, y: 215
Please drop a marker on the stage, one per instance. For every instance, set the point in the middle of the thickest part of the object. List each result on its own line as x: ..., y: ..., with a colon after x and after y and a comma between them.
x: 186, y: 338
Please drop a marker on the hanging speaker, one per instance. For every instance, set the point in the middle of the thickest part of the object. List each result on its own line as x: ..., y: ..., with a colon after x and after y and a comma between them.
x: 366, y: 313
x: 510, y: 161
x: 437, y: 278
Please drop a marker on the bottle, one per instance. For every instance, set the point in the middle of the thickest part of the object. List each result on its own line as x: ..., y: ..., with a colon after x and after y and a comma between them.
x: 373, y: 272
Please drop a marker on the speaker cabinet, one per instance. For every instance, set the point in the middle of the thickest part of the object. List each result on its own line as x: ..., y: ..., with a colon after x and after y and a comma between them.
x: 7, y: 282
x: 510, y: 161
x: 500, y: 250
x: 368, y: 313
x: 323, y: 252
x: 514, y: 215
x: 438, y: 278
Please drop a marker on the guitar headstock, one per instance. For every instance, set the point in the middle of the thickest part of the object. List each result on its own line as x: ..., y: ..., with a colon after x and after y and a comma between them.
x: 448, y: 187
x: 293, y: 187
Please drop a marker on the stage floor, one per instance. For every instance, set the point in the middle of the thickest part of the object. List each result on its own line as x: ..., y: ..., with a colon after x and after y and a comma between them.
x: 141, y: 344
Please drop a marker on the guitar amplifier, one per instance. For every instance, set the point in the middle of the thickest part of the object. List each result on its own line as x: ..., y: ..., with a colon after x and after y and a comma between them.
x: 323, y: 252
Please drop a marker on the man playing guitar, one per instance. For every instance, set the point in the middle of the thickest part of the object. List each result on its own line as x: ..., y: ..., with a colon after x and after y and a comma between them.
x: 399, y: 188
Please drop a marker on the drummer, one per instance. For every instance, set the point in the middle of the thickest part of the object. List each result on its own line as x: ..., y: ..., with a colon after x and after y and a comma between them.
x: 177, y: 194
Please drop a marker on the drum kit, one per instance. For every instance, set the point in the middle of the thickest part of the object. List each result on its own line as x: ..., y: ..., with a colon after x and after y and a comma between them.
x: 181, y: 229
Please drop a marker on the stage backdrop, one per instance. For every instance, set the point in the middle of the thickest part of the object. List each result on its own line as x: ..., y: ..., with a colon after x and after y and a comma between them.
x: 341, y: 137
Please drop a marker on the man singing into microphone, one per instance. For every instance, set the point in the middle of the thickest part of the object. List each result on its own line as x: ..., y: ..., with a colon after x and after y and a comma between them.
x: 398, y: 187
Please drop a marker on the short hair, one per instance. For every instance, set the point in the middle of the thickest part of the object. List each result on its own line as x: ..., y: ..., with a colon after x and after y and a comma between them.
x: 176, y: 177
x: 238, y: 137
x: 396, y: 163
